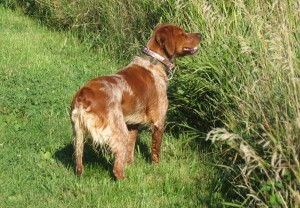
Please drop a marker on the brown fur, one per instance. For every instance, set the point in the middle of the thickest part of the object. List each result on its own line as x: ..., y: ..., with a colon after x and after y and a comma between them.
x: 111, y: 107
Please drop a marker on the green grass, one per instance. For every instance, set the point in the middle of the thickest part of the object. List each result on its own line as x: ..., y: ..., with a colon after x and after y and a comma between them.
x: 241, y: 90
x: 40, y: 70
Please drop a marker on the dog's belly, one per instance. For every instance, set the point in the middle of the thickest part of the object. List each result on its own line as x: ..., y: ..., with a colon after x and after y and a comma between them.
x: 137, y: 117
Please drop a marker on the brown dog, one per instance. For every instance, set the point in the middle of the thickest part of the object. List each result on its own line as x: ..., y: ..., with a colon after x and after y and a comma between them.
x: 111, y: 107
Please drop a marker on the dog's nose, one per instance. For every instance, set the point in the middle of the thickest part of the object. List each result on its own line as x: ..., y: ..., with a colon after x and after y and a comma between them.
x: 200, y: 36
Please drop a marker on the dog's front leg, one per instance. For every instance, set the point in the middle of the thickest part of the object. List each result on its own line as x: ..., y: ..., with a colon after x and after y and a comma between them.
x: 158, y: 131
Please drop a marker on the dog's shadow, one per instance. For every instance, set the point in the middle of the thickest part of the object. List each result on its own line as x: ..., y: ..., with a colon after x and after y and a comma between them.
x: 90, y: 158
x: 94, y: 158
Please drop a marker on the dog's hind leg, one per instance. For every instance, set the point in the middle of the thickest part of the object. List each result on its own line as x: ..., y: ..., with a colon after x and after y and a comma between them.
x: 79, y: 138
x: 120, y: 154
x: 119, y: 144
x: 79, y: 146
x: 119, y: 149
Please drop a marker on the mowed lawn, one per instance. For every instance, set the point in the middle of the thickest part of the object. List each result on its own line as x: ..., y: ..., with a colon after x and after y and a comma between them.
x: 40, y: 71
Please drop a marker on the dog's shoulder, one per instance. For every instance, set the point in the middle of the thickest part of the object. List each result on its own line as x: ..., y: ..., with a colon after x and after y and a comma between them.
x: 157, y: 71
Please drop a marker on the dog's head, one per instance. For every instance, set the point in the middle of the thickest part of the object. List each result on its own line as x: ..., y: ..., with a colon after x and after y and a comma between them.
x: 171, y: 41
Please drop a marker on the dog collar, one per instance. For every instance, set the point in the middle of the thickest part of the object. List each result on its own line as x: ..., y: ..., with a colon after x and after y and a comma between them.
x: 161, y: 59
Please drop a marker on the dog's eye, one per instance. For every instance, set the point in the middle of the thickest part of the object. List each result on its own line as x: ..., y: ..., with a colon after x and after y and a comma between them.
x: 180, y: 33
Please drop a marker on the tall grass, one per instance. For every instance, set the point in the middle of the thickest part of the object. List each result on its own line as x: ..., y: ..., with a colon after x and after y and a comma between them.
x: 107, y: 24
x: 241, y: 89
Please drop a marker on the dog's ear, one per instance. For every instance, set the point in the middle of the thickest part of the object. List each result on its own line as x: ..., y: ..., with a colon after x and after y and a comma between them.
x: 166, y: 41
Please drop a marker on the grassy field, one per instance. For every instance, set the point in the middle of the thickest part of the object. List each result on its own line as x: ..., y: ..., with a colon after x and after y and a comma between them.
x: 240, y: 92
x: 40, y: 70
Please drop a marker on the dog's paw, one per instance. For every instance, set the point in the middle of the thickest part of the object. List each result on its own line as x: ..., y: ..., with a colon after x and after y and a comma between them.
x: 79, y: 170
x: 130, y: 160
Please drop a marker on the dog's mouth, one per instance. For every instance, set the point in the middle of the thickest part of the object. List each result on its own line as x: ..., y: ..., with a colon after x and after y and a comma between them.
x: 190, y: 50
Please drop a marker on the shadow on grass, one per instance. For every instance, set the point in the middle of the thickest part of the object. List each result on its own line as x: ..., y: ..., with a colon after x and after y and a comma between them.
x: 95, y: 158
x: 90, y: 158
x: 143, y: 149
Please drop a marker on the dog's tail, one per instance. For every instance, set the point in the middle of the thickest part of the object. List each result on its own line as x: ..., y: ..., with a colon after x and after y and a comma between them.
x: 85, y: 120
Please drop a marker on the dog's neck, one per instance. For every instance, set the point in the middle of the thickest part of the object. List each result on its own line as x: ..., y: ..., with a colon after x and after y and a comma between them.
x: 157, y: 59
